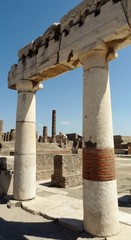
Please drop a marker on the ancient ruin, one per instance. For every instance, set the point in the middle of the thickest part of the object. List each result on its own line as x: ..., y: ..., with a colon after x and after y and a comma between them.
x: 87, y: 36
x: 67, y: 171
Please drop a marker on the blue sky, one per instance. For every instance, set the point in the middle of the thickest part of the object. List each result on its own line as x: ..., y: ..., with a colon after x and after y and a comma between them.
x: 23, y: 21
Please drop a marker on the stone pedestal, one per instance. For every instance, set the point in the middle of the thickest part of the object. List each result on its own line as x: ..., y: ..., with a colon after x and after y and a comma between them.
x: 25, y: 144
x: 99, y: 177
x: 6, y: 175
x: 67, y: 171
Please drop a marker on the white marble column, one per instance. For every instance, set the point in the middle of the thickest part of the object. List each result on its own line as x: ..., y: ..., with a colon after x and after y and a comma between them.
x: 25, y: 144
x: 99, y: 177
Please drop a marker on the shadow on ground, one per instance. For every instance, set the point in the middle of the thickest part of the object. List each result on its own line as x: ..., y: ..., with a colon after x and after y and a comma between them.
x: 11, y: 230
x: 45, y: 229
x: 46, y: 184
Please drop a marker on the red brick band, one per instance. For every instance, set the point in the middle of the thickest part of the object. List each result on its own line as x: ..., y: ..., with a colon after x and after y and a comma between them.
x: 98, y: 164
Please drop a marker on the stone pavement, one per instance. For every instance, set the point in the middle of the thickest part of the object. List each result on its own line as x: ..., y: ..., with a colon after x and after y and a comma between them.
x: 53, y: 214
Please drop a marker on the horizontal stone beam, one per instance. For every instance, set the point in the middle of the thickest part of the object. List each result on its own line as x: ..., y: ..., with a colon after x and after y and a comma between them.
x: 89, y: 26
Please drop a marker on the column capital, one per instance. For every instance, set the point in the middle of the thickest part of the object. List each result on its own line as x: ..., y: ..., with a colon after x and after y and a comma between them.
x: 28, y: 86
x: 98, y: 57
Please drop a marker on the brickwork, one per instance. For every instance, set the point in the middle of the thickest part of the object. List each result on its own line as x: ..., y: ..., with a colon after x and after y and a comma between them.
x: 98, y: 164
x: 45, y: 136
x: 53, y: 126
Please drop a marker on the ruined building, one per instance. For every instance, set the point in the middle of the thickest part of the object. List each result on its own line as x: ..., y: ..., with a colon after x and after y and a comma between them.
x: 88, y: 36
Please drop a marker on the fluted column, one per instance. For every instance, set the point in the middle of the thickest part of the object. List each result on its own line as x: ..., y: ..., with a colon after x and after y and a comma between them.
x: 99, y: 176
x: 25, y: 144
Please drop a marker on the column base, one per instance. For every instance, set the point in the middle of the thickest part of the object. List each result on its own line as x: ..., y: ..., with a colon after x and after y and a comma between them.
x: 100, y: 208
x: 24, y: 187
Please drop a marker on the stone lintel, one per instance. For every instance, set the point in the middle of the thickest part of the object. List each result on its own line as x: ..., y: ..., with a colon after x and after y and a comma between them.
x: 127, y: 9
x: 60, y: 48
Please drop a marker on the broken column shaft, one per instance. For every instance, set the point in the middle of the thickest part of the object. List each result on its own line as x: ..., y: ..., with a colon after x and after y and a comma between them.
x: 45, y: 134
x: 53, y: 126
x: 1, y: 128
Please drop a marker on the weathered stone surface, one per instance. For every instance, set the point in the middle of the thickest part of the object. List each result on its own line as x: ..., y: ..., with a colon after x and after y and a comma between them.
x: 82, y: 39
x: 44, y: 166
x: 6, y: 182
x: 81, y: 30
x: 6, y: 163
x: 88, y: 35
x: 78, y: 14
x: 127, y: 9
x: 67, y: 170
x: 31, y: 49
x: 1, y: 128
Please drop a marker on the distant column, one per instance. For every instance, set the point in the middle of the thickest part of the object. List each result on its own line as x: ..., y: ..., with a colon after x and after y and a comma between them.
x: 25, y: 144
x: 12, y: 135
x: 4, y: 137
x: 1, y: 128
x: 7, y: 137
x: 53, y: 126
x: 45, y: 134
x: 99, y: 176
x: 37, y: 137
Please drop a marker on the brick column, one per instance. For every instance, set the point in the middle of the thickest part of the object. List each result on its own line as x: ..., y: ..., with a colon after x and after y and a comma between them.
x: 1, y: 128
x: 45, y: 134
x: 99, y: 177
x: 53, y: 126
x: 25, y: 145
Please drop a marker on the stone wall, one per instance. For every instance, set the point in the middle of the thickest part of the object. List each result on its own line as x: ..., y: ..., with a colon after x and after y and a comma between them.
x: 63, y: 170
x: 67, y: 170
x: 121, y: 144
x: 129, y: 148
x: 44, y: 166
x: 6, y: 175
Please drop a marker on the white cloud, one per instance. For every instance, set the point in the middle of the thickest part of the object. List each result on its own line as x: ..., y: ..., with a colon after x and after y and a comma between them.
x: 65, y: 122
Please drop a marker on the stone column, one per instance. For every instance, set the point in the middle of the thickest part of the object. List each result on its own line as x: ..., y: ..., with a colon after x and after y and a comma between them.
x: 4, y: 137
x: 25, y: 145
x: 45, y: 134
x: 7, y: 137
x: 12, y: 135
x: 99, y: 177
x: 53, y: 126
x: 1, y: 128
